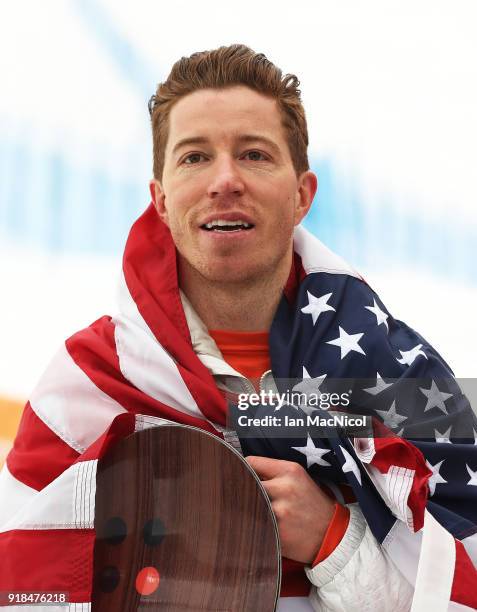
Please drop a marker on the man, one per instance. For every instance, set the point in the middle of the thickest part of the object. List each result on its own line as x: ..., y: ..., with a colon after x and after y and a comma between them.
x: 222, y: 291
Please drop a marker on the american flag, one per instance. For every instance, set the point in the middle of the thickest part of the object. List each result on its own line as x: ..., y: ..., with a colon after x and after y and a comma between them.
x: 419, y: 498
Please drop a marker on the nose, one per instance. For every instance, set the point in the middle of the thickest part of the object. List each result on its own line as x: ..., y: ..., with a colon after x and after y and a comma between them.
x: 226, y: 179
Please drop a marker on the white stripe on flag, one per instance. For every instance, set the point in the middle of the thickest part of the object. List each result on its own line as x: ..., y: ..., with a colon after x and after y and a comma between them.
x: 394, y: 487
x: 457, y: 607
x: 66, y: 503
x: 14, y: 495
x: 404, y: 546
x: 364, y: 449
x: 399, y: 482
x: 85, y: 494
x: 144, y: 362
x: 470, y: 545
x: 71, y: 405
x: 316, y: 257
x: 144, y: 421
x: 435, y: 572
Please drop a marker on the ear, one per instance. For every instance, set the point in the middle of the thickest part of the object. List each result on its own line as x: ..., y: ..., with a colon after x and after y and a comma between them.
x: 307, y: 186
x: 159, y: 200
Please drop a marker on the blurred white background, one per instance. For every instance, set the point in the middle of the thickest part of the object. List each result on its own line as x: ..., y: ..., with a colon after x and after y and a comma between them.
x: 390, y: 90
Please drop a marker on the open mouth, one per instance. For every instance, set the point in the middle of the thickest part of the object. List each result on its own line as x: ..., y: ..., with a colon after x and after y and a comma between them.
x: 221, y: 225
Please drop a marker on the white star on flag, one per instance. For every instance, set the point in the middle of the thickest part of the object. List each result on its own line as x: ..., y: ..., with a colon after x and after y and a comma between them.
x: 407, y: 357
x: 436, y: 478
x: 347, y: 342
x: 380, y: 385
x: 312, y: 453
x: 435, y: 398
x: 391, y: 418
x: 350, y: 464
x: 473, y: 476
x: 317, y: 379
x: 308, y: 386
x: 444, y: 437
x: 381, y: 317
x: 317, y: 305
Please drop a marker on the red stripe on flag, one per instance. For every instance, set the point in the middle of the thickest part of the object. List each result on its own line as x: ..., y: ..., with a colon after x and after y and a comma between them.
x: 294, y: 580
x: 150, y: 271
x: 48, y: 560
x: 392, y: 450
x: 464, y: 586
x: 38, y: 455
x: 296, y: 276
x: 93, y: 349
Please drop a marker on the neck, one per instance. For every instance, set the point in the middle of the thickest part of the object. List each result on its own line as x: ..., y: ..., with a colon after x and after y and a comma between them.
x: 236, y: 306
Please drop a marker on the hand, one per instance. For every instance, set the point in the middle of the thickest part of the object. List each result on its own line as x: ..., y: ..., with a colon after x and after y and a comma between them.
x: 303, y: 511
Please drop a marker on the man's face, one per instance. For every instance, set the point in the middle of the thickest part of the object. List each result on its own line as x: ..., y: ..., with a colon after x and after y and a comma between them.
x: 229, y: 192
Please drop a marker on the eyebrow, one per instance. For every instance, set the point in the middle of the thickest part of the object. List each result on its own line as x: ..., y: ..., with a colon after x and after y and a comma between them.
x: 244, y: 138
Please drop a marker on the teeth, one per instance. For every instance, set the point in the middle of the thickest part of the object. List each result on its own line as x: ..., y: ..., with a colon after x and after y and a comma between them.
x: 223, y: 222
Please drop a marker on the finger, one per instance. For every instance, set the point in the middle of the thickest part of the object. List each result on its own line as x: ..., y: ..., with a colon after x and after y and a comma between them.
x: 267, y: 468
x: 279, y: 488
